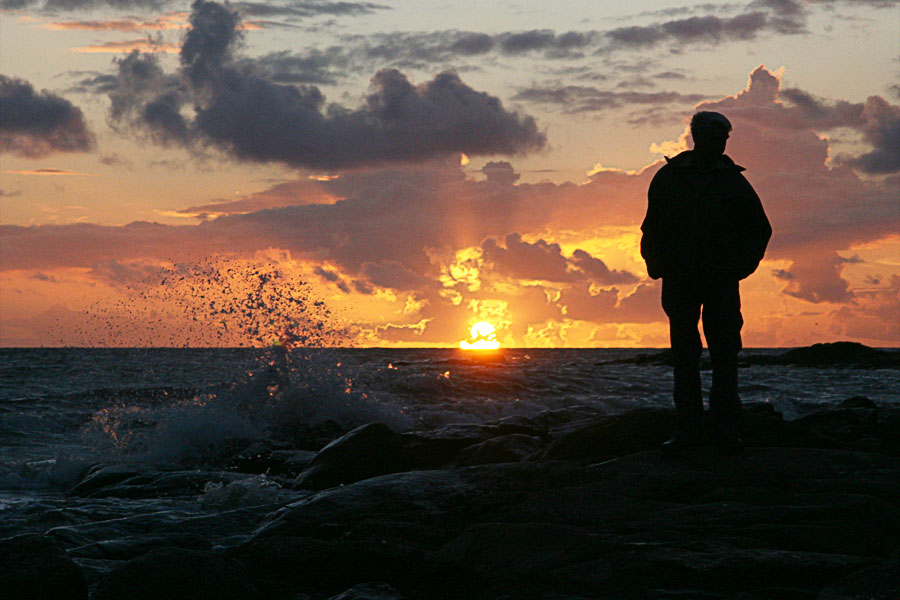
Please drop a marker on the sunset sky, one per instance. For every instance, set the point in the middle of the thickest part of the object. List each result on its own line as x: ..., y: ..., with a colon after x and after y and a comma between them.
x: 424, y: 165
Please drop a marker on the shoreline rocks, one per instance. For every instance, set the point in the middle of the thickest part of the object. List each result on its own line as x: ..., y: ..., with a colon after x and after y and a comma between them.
x: 567, y: 504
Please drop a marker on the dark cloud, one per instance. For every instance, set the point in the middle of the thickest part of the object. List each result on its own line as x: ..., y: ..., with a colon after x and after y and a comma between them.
x: 94, y: 83
x: 149, y: 99
x: 520, y: 259
x: 709, y: 28
x: 573, y: 98
x: 597, y: 271
x: 876, y: 119
x: 395, y: 275
x: 300, y: 8
x: 35, y: 124
x: 316, y: 66
x: 544, y: 261
x: 786, y: 17
x: 332, y: 277
x: 256, y: 119
x: 881, y: 129
x: 500, y: 172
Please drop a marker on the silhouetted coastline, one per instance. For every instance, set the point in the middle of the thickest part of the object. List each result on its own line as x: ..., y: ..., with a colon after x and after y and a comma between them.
x: 823, y: 355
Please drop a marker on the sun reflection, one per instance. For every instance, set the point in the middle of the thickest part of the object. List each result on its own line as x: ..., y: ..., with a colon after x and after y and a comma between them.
x: 482, y: 336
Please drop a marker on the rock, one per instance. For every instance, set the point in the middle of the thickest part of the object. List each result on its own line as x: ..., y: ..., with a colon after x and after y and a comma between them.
x: 857, y: 402
x: 614, y: 436
x: 282, y: 566
x: 601, y: 514
x: 291, y: 462
x: 367, y: 451
x: 134, y: 481
x: 370, y: 591
x: 505, y: 448
x: 134, y: 546
x: 259, y: 457
x: 837, y: 354
x: 881, y: 581
x: 516, y: 552
x: 35, y: 567
x: 100, y: 476
x: 178, y: 574
x: 436, y: 448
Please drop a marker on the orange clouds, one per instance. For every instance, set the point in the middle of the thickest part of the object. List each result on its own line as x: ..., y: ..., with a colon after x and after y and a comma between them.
x: 48, y: 172
x: 415, y: 254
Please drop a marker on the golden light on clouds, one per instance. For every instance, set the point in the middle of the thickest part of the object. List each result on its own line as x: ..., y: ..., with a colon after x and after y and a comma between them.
x: 482, y: 336
x: 49, y: 172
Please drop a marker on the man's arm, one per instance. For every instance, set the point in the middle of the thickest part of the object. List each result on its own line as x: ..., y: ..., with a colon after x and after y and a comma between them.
x: 755, y: 230
x: 652, y: 227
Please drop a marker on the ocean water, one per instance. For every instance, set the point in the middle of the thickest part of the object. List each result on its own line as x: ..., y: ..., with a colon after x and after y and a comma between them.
x: 63, y: 410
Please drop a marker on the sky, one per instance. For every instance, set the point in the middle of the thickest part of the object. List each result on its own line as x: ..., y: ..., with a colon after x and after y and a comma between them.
x: 389, y: 173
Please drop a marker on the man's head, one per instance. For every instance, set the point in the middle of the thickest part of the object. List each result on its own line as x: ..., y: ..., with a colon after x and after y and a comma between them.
x: 710, y: 132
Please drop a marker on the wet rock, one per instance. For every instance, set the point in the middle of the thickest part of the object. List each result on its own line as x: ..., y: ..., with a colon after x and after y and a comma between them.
x: 290, y: 462
x: 370, y: 591
x: 127, y: 548
x: 880, y: 581
x: 129, y: 481
x: 857, y: 402
x: 602, y: 513
x: 414, y: 505
x: 281, y: 566
x: 260, y: 456
x: 520, y: 424
x: 433, y: 449
x: 36, y: 567
x: 367, y: 451
x: 505, y: 448
x: 178, y: 574
x: 515, y: 552
x: 614, y: 436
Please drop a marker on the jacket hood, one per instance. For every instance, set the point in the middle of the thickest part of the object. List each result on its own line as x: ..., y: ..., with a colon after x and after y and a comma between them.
x: 685, y: 159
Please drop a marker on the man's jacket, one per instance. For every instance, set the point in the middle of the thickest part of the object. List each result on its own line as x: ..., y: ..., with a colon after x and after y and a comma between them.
x: 706, y: 224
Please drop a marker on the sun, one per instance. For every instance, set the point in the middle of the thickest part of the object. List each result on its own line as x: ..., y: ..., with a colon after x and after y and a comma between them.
x: 482, y: 336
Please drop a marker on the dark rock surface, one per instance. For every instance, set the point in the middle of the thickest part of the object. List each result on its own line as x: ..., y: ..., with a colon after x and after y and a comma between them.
x: 601, y: 513
x: 367, y: 451
x: 178, y: 574
x: 568, y: 503
x: 370, y: 591
x: 36, y: 567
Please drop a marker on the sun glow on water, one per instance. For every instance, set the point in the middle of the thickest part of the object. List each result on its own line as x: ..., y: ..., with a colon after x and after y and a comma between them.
x: 482, y: 336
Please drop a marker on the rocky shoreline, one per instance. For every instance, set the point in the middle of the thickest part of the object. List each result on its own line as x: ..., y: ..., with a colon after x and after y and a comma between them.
x: 566, y: 504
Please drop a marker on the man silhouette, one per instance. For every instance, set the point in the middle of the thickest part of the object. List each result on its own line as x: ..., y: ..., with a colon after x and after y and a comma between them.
x: 705, y: 230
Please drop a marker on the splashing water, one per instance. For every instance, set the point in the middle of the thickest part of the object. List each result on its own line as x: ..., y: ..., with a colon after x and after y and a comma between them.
x: 285, y: 390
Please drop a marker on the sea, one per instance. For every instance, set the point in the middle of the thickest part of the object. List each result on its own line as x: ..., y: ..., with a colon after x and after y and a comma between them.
x: 66, y: 410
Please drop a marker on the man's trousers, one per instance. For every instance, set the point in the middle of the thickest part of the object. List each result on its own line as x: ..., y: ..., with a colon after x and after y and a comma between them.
x: 719, y: 301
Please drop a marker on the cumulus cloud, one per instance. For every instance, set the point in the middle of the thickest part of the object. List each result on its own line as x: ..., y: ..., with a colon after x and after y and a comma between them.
x: 826, y: 209
x: 545, y: 261
x: 448, y: 246
x: 241, y: 111
x: 35, y: 124
x: 881, y: 129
